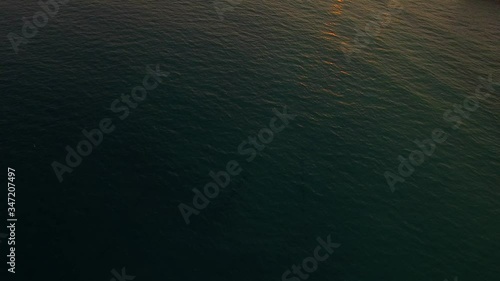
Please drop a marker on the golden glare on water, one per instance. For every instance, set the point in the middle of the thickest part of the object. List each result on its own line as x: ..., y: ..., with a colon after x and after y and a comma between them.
x: 337, y: 8
x: 331, y: 34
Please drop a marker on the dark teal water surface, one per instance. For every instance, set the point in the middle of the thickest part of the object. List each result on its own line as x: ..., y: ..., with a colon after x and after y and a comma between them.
x: 356, y: 112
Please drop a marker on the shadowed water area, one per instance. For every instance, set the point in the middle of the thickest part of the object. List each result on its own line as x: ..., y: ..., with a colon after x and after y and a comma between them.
x: 356, y: 112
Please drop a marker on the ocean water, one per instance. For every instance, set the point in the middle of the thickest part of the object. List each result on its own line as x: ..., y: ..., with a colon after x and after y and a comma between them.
x: 365, y: 79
